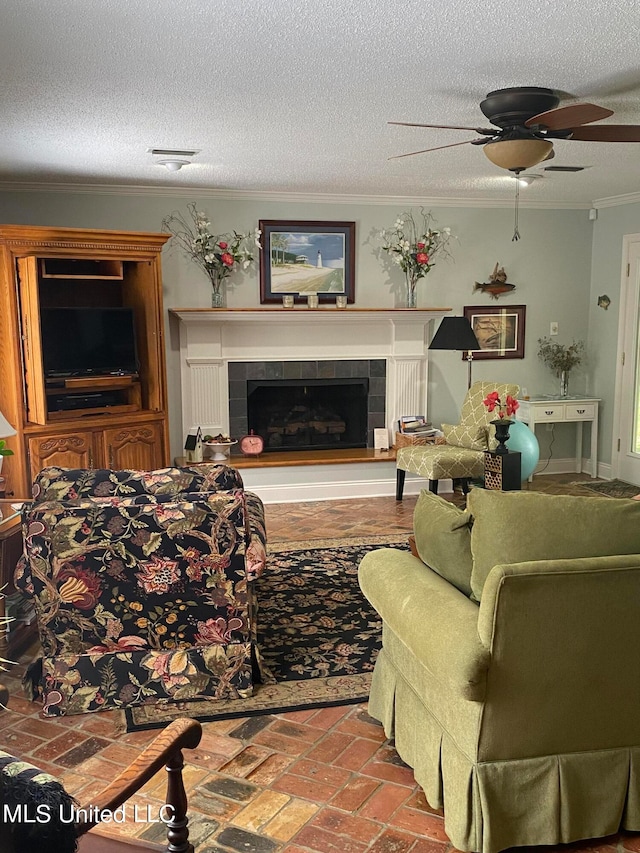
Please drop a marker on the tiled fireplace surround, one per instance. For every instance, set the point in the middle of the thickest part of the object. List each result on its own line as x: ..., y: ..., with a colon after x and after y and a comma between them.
x: 221, y: 347
x: 374, y: 370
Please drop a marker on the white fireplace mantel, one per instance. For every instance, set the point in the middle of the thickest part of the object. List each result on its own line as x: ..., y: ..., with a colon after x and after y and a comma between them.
x: 211, y: 338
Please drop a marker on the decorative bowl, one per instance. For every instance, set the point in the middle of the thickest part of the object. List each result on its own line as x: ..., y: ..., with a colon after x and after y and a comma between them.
x: 219, y: 450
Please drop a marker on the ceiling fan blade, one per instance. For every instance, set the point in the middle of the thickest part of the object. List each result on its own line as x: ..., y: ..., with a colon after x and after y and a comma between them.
x: 437, y: 148
x: 482, y: 130
x: 607, y: 133
x: 563, y: 118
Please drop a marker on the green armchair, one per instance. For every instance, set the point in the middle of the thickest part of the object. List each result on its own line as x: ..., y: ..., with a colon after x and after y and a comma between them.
x: 461, y: 456
x: 518, y: 714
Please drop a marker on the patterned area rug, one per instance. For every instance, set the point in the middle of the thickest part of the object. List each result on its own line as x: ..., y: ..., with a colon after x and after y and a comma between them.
x: 317, y: 632
x: 612, y: 488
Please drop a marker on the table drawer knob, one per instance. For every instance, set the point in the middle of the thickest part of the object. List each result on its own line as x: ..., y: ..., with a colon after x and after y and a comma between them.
x: 547, y: 412
x: 581, y: 411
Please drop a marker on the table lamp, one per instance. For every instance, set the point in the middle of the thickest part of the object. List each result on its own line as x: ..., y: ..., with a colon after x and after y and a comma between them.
x: 455, y: 333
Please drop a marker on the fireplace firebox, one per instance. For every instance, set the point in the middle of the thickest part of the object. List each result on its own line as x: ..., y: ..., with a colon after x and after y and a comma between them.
x: 309, y: 414
x: 371, y: 374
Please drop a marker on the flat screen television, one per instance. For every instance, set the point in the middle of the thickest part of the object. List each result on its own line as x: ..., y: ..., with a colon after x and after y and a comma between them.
x: 88, y: 341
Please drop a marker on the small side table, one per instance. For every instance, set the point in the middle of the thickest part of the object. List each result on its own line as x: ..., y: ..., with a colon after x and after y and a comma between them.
x: 556, y: 410
x: 502, y: 471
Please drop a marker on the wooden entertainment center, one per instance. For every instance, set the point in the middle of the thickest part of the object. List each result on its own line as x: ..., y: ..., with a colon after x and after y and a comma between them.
x: 81, y: 418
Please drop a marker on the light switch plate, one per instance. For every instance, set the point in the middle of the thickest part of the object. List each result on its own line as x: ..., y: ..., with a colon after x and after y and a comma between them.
x: 553, y: 328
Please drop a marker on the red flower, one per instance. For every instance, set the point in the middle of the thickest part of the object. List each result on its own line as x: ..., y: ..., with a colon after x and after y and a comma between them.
x: 422, y: 258
x: 492, y: 401
x: 227, y: 259
x: 222, y: 244
x: 419, y: 246
x: 512, y: 405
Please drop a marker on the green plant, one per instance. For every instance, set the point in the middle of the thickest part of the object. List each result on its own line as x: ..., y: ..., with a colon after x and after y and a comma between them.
x: 559, y: 357
x: 4, y: 450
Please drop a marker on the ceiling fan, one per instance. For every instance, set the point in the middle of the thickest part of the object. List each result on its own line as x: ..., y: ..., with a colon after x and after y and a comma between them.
x: 527, y: 119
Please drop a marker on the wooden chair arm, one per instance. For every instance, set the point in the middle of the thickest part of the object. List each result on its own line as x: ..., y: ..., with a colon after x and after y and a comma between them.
x: 164, y: 750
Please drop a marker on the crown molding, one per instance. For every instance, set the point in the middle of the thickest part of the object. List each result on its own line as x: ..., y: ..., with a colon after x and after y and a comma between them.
x: 617, y: 200
x: 291, y: 197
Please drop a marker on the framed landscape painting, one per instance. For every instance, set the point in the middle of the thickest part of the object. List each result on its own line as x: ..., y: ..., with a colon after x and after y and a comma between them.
x: 299, y: 258
x: 500, y: 331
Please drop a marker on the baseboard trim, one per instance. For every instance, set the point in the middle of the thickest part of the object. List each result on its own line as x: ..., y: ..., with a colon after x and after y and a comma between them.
x: 326, y: 482
x: 568, y: 466
x: 303, y: 492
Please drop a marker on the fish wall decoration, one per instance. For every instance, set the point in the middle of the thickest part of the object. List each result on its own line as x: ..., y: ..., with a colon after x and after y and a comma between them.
x: 497, y: 284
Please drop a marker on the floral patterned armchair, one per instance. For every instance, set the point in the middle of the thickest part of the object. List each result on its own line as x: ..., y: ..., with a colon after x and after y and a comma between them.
x: 144, y: 586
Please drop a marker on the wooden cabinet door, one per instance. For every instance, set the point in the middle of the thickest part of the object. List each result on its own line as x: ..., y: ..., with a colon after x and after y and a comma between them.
x: 67, y: 451
x: 138, y: 446
x: 36, y: 402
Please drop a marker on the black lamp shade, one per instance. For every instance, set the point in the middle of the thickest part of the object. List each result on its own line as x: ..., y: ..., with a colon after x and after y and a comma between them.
x: 455, y: 333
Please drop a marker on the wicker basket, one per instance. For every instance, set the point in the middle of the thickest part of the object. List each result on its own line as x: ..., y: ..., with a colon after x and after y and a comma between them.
x: 404, y: 439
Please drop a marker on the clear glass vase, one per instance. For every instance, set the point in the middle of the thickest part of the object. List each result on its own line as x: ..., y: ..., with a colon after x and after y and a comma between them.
x: 564, y: 383
x: 218, y: 293
x: 412, y: 295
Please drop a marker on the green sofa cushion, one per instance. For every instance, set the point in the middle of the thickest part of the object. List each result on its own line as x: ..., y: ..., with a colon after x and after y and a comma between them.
x: 516, y: 527
x: 443, y: 539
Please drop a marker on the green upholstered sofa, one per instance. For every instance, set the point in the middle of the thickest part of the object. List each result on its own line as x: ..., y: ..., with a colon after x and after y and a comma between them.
x: 509, y: 673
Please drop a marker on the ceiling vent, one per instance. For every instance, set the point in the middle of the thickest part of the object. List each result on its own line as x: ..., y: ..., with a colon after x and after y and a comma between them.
x: 563, y: 168
x: 174, y: 152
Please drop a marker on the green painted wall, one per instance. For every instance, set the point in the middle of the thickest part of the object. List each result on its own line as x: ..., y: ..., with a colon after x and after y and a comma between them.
x: 550, y: 265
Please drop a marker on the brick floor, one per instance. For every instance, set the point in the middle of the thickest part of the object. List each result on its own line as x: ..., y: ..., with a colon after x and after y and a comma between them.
x: 315, y: 781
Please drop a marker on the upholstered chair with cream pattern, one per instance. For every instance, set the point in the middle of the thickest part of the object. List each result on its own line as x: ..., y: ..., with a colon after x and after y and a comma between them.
x: 461, y: 455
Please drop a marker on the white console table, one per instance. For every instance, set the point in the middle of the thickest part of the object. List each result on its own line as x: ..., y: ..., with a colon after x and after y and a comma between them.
x: 554, y: 410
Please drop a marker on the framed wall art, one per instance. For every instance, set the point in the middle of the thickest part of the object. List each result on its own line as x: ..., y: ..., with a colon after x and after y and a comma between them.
x: 500, y: 331
x: 299, y: 258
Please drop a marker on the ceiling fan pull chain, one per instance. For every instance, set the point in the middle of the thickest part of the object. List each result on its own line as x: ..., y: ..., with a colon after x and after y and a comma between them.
x: 516, y: 232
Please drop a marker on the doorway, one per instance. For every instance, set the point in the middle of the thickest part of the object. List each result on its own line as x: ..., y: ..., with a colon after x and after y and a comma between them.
x: 626, y: 450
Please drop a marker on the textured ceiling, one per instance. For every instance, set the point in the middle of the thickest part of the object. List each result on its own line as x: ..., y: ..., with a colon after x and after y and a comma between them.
x: 295, y: 96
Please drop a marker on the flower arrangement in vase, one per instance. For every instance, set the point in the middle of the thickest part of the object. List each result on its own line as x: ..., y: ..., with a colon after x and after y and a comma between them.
x: 217, y: 255
x: 502, y: 422
x: 414, y: 246
x: 561, y: 359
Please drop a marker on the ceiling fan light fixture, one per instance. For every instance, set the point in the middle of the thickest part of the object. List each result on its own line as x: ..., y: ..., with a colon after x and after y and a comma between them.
x: 518, y: 154
x: 527, y: 180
